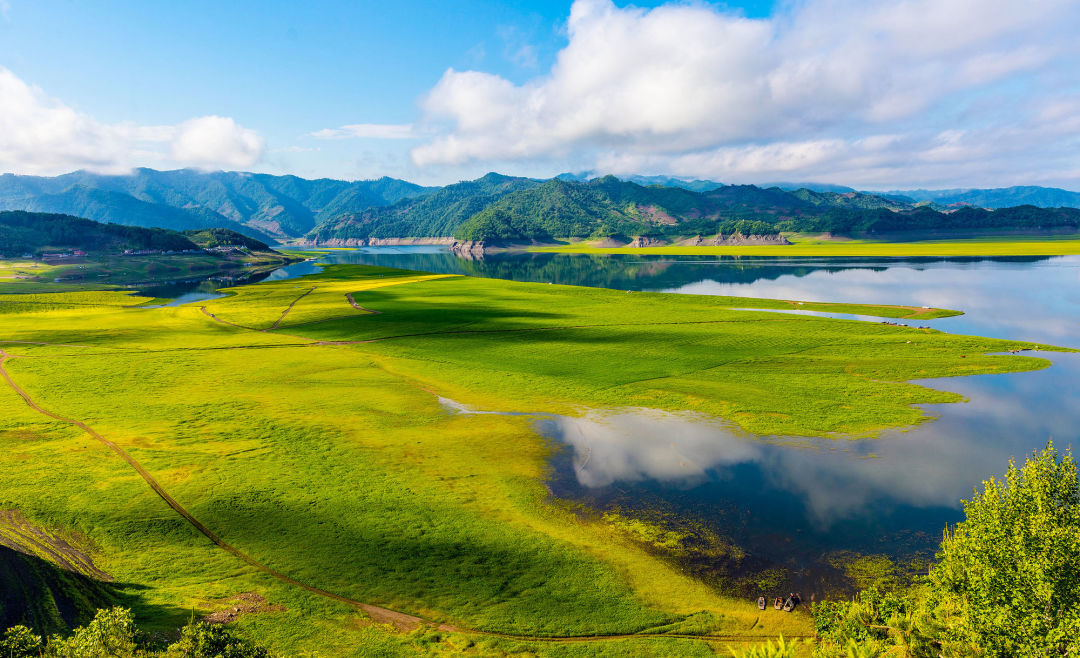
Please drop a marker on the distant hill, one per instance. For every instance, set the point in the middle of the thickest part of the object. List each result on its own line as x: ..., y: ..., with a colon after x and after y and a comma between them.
x: 1002, y: 197
x: 814, y: 187
x: 851, y: 200
x: 604, y: 207
x: 662, y: 181
x: 34, y: 233
x: 437, y: 214
x: 260, y: 205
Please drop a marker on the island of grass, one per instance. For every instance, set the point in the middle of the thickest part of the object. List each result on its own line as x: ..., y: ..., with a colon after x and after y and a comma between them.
x: 801, y: 247
x: 287, y: 442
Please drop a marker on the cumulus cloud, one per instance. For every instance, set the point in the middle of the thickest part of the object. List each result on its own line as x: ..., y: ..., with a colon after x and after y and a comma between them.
x: 368, y: 131
x: 42, y: 135
x: 824, y: 85
x: 215, y: 141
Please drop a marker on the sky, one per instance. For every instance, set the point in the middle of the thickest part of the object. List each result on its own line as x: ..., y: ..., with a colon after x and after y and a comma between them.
x: 876, y: 94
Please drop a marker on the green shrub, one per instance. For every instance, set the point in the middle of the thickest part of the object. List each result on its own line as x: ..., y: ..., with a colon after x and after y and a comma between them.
x: 20, y: 642
x: 203, y: 640
x: 110, y: 634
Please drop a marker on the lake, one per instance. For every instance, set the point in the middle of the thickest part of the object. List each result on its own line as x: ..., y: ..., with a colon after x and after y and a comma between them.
x: 801, y: 508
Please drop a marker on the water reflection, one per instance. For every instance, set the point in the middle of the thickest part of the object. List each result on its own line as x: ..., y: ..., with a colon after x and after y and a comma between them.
x: 934, y: 464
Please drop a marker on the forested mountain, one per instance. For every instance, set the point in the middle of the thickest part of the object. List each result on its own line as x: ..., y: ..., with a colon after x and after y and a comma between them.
x: 497, y: 208
x: 437, y: 214
x: 263, y: 206
x: 24, y: 232
x: 612, y: 207
x: 1002, y: 197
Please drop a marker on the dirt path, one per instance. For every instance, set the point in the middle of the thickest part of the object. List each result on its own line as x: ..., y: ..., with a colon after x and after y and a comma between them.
x: 400, y: 620
x: 358, y: 307
x: 286, y: 311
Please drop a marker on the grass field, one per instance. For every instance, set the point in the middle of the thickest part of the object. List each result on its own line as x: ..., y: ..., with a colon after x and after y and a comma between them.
x: 1012, y: 246
x: 297, y: 422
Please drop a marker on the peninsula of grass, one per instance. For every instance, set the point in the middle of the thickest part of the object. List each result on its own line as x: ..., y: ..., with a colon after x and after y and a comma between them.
x: 299, y: 422
x: 1013, y: 246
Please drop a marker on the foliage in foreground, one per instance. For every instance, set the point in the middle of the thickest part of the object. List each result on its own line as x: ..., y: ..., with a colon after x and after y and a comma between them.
x: 1005, y: 584
x: 112, y: 634
x: 782, y: 649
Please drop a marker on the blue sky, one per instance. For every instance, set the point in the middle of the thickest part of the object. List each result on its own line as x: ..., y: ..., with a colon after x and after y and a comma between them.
x: 739, y: 92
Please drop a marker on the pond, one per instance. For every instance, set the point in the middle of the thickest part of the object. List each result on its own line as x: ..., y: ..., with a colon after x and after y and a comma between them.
x: 800, y: 508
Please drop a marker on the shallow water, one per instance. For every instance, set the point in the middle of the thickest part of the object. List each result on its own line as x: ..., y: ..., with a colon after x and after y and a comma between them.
x: 794, y: 502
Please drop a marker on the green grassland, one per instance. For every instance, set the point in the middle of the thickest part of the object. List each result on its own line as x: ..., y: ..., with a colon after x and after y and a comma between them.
x: 305, y: 431
x: 1012, y: 246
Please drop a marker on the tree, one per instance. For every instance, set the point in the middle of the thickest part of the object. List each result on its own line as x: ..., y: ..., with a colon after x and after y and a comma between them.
x: 1008, y: 580
x: 110, y: 634
x: 20, y: 642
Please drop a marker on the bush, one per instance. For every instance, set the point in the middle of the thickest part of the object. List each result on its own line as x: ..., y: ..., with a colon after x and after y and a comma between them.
x: 203, y: 640
x: 111, y: 634
x: 20, y: 642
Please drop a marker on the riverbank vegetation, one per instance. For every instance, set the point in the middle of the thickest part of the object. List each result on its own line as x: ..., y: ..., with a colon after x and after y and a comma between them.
x: 297, y: 426
x: 1004, y: 584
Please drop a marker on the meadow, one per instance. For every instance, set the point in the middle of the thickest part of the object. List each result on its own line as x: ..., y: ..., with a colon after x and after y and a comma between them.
x: 1065, y: 245
x: 298, y: 422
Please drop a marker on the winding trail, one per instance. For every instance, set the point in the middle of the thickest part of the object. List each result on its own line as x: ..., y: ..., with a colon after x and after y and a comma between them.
x: 400, y: 620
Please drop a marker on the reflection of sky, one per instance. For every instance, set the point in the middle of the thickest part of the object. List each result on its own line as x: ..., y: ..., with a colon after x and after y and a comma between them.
x: 1024, y: 301
x: 934, y: 464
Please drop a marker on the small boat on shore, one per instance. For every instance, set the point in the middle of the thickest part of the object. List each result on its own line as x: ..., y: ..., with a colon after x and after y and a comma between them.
x: 792, y: 601
x: 761, y: 603
x: 779, y: 603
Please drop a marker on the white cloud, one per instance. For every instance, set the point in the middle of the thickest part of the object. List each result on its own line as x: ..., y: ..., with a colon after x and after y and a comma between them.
x: 215, y: 141
x: 693, y: 89
x: 368, y: 131
x: 42, y: 135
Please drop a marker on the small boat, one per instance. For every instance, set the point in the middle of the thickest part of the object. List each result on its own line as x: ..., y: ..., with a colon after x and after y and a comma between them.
x: 761, y: 603
x: 789, y: 605
x: 778, y: 603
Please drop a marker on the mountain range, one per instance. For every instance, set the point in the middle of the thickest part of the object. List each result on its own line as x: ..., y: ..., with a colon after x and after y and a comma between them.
x: 266, y: 207
x: 497, y: 207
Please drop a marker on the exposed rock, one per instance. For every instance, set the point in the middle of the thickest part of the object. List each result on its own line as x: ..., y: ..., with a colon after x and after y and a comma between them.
x: 400, y: 242
x: 740, y: 239
x: 642, y: 241
x: 374, y: 242
x: 471, y: 250
x: 695, y: 241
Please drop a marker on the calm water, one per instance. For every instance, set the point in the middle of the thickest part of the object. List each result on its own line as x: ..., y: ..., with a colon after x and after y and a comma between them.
x: 796, y: 503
